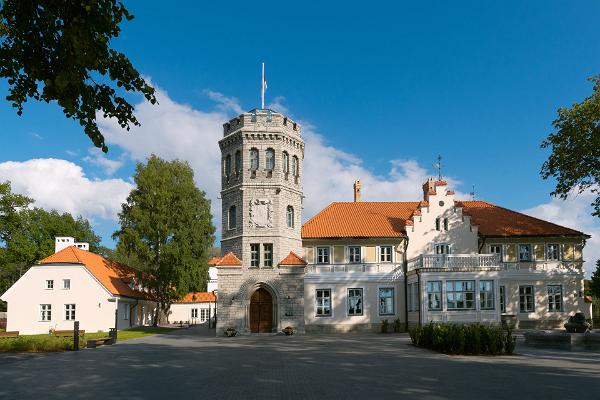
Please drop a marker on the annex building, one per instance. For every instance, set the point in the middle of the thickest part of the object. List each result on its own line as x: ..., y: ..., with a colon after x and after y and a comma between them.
x: 357, y: 263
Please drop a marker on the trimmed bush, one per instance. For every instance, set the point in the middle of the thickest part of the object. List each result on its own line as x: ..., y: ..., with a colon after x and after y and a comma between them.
x: 35, y: 343
x: 464, y: 338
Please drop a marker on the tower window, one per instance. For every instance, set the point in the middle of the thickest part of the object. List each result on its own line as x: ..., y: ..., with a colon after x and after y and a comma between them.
x: 289, y: 216
x: 232, y: 218
x: 286, y: 162
x: 254, y: 254
x: 295, y: 166
x: 228, y: 165
x: 270, y: 160
x: 437, y: 224
x: 253, y: 159
x: 238, y: 162
x: 268, y: 254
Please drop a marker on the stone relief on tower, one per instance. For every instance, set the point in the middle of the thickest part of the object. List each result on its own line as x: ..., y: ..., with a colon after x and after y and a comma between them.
x: 261, y: 213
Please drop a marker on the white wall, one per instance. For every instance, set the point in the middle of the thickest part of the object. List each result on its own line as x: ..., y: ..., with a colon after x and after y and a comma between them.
x: 183, y: 312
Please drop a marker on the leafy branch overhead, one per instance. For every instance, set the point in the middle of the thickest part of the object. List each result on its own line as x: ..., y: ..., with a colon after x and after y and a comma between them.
x: 575, y: 158
x: 56, y: 50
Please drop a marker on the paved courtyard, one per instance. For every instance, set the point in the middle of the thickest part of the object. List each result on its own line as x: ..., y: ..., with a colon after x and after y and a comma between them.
x: 191, y: 364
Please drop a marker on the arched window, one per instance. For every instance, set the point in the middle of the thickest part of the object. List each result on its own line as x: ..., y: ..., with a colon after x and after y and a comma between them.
x: 238, y: 162
x: 228, y: 165
x: 270, y: 160
x: 445, y: 224
x: 295, y: 166
x: 286, y: 162
x: 232, y: 218
x: 289, y: 216
x: 253, y: 159
x: 437, y: 224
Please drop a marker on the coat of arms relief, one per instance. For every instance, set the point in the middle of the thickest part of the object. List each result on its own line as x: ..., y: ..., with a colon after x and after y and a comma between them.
x: 261, y: 213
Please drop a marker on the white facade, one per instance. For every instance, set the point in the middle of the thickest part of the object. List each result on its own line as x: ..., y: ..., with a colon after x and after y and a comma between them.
x: 192, y: 313
x: 62, y: 242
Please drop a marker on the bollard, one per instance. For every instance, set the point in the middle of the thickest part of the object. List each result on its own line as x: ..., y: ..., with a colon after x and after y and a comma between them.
x: 76, y: 336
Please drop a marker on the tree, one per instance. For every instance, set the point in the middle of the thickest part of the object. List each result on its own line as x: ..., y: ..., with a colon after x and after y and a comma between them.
x: 166, y: 230
x: 594, y: 282
x: 575, y: 157
x: 56, y: 50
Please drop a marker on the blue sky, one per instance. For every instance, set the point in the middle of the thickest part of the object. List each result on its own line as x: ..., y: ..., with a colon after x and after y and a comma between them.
x: 382, y: 88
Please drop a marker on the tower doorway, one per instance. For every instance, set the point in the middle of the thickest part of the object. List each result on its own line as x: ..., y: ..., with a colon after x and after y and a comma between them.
x: 261, y: 311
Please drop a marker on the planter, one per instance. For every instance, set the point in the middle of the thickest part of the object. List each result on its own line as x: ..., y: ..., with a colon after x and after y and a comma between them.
x: 230, y: 332
x: 289, y: 331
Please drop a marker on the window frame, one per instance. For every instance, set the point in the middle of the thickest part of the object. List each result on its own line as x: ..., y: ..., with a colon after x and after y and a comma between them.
x: 194, y: 313
x: 381, y: 254
x: 500, y: 253
x: 268, y: 250
x: 254, y: 255
x: 254, y: 157
x: 465, y: 292
x: 553, y: 295
x: 525, y: 245
x: 295, y: 166
x: 441, y: 245
x: 286, y: 162
x: 49, y: 284
x: 66, y: 284
x: 328, y: 255
x: 352, y: 256
x: 322, y: 306
x: 429, y: 284
x: 393, y: 302
x: 502, y: 299
x: 490, y: 295
x: 45, y: 312
x: 270, y: 159
x: 360, y: 303
x: 238, y: 162
x: 227, y: 166
x: 557, y: 249
x: 289, y: 217
x: 70, y: 312
x: 532, y: 294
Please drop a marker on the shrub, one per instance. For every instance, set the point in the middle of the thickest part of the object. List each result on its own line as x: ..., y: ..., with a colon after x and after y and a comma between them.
x: 385, y: 324
x: 35, y: 343
x: 397, y: 325
x: 463, y: 338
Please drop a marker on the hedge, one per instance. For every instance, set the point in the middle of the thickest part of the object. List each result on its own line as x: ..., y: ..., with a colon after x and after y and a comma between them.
x: 464, y: 338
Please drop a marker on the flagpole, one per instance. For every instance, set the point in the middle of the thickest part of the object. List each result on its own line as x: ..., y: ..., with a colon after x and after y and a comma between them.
x: 262, y: 88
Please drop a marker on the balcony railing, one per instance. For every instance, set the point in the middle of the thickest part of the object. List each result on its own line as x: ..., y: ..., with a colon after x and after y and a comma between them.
x: 452, y: 261
x: 352, y: 268
x: 562, y: 266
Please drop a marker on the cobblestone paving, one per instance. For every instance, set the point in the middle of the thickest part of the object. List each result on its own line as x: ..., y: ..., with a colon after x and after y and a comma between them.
x: 191, y: 364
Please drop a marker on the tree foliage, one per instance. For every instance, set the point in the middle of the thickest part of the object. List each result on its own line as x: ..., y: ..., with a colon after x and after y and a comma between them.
x: 594, y: 282
x: 575, y: 145
x: 166, y: 230
x: 57, y: 50
x: 27, y: 234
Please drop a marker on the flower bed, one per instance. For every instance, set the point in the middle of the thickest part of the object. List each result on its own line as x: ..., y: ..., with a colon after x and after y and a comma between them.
x: 464, y: 338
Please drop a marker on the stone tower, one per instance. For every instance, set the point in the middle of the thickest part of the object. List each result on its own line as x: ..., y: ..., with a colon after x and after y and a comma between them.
x: 261, y: 174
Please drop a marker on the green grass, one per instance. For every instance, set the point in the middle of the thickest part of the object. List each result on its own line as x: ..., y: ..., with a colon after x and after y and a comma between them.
x: 47, y: 343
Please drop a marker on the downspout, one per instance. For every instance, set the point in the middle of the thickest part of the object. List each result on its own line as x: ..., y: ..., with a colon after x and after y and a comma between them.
x: 406, y: 282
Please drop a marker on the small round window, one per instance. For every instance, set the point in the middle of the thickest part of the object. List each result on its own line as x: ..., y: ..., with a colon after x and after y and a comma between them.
x: 441, y: 203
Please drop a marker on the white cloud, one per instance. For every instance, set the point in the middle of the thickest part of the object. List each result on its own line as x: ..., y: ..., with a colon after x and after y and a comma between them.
x: 277, y: 105
x: 96, y: 157
x: 575, y: 213
x: 224, y: 103
x: 63, y: 186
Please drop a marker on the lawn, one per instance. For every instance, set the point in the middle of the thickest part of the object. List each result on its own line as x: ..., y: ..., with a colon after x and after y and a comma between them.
x: 47, y: 343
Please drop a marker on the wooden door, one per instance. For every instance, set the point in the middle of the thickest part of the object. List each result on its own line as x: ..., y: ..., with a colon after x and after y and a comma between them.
x: 261, y: 312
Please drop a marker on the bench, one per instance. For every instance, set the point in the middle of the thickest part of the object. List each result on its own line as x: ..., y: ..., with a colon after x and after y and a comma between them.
x: 11, y: 334
x: 66, y: 333
x: 93, y: 343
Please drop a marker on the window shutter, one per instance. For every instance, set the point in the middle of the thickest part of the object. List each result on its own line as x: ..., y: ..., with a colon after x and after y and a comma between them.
x: 370, y: 254
x: 338, y: 254
x: 511, y: 252
x: 538, y: 251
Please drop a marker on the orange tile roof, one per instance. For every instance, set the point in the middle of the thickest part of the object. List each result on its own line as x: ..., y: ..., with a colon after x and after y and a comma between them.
x: 229, y: 260
x: 197, y: 297
x: 111, y: 274
x: 389, y: 219
x: 214, y: 261
x: 292, y: 260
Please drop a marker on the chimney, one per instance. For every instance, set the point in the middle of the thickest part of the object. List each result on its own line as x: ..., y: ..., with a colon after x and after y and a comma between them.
x: 356, y: 191
x: 428, y: 188
x: 62, y: 242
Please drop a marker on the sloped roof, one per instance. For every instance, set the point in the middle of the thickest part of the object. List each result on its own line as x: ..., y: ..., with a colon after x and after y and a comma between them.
x: 292, y: 260
x: 389, y: 219
x: 213, y: 261
x: 197, y: 297
x: 229, y: 260
x: 111, y: 274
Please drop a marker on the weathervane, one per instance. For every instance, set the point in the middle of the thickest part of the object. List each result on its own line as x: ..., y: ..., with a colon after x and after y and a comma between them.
x: 438, y: 166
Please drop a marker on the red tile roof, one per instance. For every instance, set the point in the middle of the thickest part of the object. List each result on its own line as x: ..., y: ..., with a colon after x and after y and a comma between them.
x: 229, y: 260
x: 111, y: 274
x: 389, y: 219
x: 213, y: 261
x: 197, y: 297
x: 292, y: 260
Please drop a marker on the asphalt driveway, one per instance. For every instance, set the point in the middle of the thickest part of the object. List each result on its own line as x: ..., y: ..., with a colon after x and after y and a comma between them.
x: 192, y: 364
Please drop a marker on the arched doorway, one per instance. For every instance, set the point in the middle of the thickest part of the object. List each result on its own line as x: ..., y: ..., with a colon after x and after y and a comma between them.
x: 261, y: 311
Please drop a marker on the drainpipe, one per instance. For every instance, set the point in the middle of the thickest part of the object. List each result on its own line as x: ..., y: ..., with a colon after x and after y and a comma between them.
x: 406, y: 283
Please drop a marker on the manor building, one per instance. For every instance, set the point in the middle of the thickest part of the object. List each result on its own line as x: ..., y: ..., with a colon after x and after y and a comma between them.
x: 358, y: 263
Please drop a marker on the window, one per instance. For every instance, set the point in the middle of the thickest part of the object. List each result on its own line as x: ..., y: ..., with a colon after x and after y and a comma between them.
x: 413, y: 297
x: 268, y: 254
x: 554, y: 298
x: 385, y: 254
x: 70, y: 312
x: 203, y: 315
x: 232, y: 218
x: 295, y: 166
x: 526, y: 299
x: 355, y: 302
x: 286, y: 162
x: 460, y: 295
x: 441, y: 248
x: 270, y: 160
x: 486, y: 295
x: 354, y: 254
x: 323, y: 303
x: 289, y: 216
x: 386, y: 301
x: 238, y: 162
x: 254, y: 255
x: 445, y: 224
x: 126, y: 311
x: 50, y: 284
x: 496, y: 249
x: 524, y: 252
x: 502, y: 299
x: 194, y: 313
x: 322, y: 255
x: 228, y: 166
x: 66, y: 284
x: 437, y: 224
x: 434, y: 295
x: 45, y: 312
x: 253, y: 159
x: 552, y: 252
